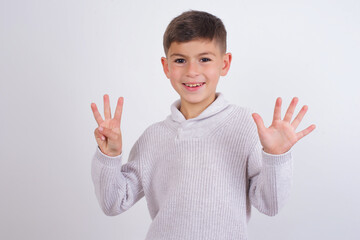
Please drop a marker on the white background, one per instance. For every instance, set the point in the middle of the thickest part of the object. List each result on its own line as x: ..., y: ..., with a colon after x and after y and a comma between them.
x: 56, y: 57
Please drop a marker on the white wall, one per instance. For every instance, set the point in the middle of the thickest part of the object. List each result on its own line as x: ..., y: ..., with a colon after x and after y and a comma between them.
x: 56, y: 57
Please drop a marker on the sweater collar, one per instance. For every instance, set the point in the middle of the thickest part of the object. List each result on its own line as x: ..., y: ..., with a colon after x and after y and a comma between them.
x: 216, y: 106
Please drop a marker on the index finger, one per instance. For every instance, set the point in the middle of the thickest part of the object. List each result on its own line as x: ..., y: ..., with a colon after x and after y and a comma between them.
x: 118, y: 110
x: 96, y: 113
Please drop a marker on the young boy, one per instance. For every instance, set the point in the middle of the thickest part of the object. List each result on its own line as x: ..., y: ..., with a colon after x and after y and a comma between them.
x: 203, y: 167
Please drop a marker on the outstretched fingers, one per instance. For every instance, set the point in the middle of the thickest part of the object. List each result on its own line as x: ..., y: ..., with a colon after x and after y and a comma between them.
x: 277, y: 110
x: 118, y: 110
x: 259, y: 122
x: 305, y: 132
x: 107, y: 111
x: 299, y: 117
x: 96, y: 113
x: 291, y: 109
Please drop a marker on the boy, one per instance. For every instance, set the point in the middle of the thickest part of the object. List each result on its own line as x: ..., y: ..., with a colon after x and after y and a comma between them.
x: 203, y: 167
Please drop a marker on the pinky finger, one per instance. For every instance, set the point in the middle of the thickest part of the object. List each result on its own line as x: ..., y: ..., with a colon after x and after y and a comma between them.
x: 99, y: 135
x: 305, y: 132
x: 102, y: 138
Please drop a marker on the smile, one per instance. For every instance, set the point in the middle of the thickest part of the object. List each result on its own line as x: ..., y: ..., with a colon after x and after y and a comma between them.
x: 193, y: 87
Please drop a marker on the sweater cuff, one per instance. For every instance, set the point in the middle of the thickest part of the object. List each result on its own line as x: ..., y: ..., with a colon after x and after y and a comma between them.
x: 276, y: 159
x: 108, y: 160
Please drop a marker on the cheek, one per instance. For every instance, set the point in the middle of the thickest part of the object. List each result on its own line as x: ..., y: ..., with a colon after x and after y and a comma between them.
x: 174, y: 72
x: 212, y: 72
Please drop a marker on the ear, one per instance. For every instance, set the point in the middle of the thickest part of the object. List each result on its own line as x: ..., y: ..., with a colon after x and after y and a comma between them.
x: 226, y: 64
x: 165, y: 65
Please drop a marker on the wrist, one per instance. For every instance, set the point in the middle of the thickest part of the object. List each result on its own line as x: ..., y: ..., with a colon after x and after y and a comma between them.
x: 111, y: 153
x: 276, y: 159
x: 275, y: 151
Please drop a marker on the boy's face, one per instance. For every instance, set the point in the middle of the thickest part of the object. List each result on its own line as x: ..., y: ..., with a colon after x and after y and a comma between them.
x: 197, y: 61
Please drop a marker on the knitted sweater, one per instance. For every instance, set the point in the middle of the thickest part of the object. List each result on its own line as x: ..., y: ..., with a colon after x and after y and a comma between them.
x: 199, y: 176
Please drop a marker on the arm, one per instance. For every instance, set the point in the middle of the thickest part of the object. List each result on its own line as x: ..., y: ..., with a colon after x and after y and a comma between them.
x: 117, y: 187
x: 270, y: 161
x: 270, y: 180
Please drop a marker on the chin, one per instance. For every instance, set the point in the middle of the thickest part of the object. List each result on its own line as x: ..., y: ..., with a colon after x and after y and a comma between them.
x: 195, y: 98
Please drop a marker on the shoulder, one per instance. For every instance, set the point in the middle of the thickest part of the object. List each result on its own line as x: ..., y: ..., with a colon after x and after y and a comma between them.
x: 241, y: 124
x: 242, y: 116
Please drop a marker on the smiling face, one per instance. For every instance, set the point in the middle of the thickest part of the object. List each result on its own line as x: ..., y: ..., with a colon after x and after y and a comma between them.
x: 195, y: 62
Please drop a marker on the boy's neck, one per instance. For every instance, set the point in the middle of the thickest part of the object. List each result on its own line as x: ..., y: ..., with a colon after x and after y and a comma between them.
x: 190, y: 110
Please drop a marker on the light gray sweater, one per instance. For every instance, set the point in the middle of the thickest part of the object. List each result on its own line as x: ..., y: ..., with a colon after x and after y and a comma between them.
x: 199, y: 176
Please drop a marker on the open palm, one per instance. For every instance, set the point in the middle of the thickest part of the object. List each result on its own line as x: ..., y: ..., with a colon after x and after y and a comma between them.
x: 108, y: 134
x: 281, y: 136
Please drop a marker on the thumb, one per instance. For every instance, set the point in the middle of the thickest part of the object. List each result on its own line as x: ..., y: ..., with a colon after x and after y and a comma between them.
x: 100, y: 138
x: 108, y: 133
x: 258, y: 121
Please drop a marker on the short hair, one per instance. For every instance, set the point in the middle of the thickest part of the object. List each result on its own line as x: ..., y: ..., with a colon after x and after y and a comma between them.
x: 194, y: 25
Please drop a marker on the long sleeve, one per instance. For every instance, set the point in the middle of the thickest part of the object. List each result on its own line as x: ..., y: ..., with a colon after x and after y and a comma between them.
x: 200, y: 176
x: 117, y: 186
x: 270, y: 179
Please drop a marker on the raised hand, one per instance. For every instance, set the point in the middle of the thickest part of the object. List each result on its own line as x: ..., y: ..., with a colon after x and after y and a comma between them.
x: 281, y: 136
x: 108, y: 134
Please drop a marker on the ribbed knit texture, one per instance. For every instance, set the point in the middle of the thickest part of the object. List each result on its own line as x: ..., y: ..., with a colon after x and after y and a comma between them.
x: 199, y: 176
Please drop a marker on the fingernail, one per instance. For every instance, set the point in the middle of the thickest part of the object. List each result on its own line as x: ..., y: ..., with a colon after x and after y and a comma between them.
x: 100, y: 129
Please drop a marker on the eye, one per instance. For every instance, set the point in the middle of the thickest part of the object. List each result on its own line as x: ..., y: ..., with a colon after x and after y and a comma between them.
x: 205, y: 59
x: 179, y: 60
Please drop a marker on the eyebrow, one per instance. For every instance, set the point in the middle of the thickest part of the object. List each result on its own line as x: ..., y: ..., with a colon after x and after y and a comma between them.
x: 200, y: 54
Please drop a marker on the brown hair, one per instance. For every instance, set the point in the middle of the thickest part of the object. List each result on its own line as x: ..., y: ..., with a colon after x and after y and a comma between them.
x: 193, y: 25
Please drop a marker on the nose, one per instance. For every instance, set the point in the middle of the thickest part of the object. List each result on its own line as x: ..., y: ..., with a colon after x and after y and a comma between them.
x: 193, y: 69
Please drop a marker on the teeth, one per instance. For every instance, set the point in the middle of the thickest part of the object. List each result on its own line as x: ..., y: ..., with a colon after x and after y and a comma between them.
x: 193, y: 85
